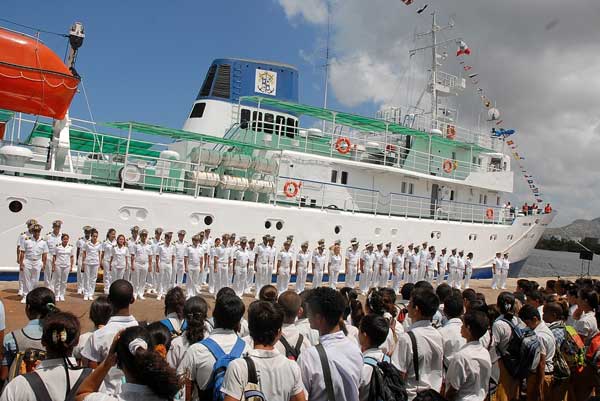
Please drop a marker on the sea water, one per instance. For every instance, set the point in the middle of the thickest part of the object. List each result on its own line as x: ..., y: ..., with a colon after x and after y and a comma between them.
x: 553, y: 264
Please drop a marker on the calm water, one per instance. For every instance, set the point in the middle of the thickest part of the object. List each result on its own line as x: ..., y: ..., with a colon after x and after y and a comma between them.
x: 564, y: 264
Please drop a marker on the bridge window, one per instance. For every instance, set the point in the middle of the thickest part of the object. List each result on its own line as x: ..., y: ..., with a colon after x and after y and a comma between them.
x: 452, y: 195
x: 208, y: 81
x: 256, y: 121
x: 280, y: 125
x: 334, y: 175
x: 245, y: 118
x: 198, y: 110
x: 290, y: 129
x: 222, y: 86
x: 268, y: 123
x: 344, y: 178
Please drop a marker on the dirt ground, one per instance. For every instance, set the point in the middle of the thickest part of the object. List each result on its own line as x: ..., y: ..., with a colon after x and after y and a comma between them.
x: 150, y: 309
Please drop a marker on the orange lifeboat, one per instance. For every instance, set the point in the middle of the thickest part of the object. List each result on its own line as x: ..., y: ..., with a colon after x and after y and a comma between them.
x: 33, y: 79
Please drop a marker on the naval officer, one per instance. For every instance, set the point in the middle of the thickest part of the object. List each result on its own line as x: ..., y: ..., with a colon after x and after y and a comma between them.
x: 52, y: 239
x: 34, y: 254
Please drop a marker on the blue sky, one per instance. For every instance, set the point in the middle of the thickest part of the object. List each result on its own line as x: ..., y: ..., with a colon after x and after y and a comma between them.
x: 145, y: 61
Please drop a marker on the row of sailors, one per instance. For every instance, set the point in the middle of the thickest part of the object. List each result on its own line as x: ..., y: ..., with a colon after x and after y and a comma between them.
x: 160, y: 263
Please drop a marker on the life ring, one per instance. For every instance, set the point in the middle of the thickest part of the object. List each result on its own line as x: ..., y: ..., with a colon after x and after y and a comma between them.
x: 489, y: 214
x: 290, y: 189
x: 450, y: 132
x: 343, y: 145
x: 447, y: 166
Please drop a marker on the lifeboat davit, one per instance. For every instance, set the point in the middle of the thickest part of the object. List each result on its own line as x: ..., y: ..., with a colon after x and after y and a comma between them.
x: 33, y: 79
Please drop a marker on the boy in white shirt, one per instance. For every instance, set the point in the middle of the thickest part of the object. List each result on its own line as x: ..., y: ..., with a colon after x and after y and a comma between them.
x: 302, y: 322
x: 278, y: 378
x: 372, y: 333
x: 451, y: 330
x: 469, y: 371
x: 291, y: 342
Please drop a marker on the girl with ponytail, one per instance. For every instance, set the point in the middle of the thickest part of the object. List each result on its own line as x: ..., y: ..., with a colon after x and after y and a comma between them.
x: 502, y: 332
x: 585, y: 315
x: 195, y: 312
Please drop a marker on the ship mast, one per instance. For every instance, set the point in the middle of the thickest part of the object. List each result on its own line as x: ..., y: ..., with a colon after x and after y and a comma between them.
x: 327, y: 55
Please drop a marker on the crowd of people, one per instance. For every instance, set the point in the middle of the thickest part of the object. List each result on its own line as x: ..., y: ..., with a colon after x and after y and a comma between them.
x: 158, y: 263
x: 323, y: 344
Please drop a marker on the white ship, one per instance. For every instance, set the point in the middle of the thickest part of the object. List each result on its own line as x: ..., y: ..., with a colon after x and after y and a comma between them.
x: 242, y: 163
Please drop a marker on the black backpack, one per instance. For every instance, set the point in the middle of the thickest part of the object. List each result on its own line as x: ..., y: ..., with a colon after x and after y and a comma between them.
x: 522, y: 355
x: 386, y: 381
x: 292, y: 353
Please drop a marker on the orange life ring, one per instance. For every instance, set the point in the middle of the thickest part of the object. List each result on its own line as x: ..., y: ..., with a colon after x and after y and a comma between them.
x: 447, y: 166
x: 343, y: 145
x: 450, y: 132
x: 489, y: 214
x: 290, y: 189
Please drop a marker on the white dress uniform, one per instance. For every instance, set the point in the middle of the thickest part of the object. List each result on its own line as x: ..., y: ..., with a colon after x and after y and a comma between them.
x: 153, y: 277
x: 408, y: 267
x: 318, y: 263
x: 468, y: 271
x: 62, y: 262
x: 204, y: 273
x: 398, y: 275
x: 52, y: 241
x: 430, y: 268
x: 222, y: 276
x: 353, y: 259
x: 272, y: 261
x: 230, y: 249
x: 21, y: 245
x: 240, y: 277
x: 367, y: 275
x: 107, y: 248
x: 213, y: 278
x: 80, y: 276
x: 442, y: 266
x: 165, y: 257
x: 504, y: 272
x: 285, y: 260
x: 179, y: 268
x: 131, y: 245
x: 385, y: 264
x: 120, y: 261
x: 335, y: 265
x: 423, y: 255
x: 263, y: 253
x: 375, y: 276
x: 91, y: 263
x: 453, y: 266
x: 142, y: 251
x: 251, y: 268
x: 302, y: 265
x: 194, y: 255
x: 32, y: 263
x: 460, y: 271
x: 496, y: 267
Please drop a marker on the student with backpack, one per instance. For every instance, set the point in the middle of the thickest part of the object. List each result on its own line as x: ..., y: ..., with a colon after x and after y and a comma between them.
x: 195, y: 312
x: 585, y: 315
x: 380, y: 380
x: 470, y: 368
x: 264, y: 371
x: 57, y: 377
x: 39, y: 304
x: 205, y: 362
x: 174, y: 319
x: 332, y: 369
x: 419, y: 354
x: 291, y: 342
x: 100, y: 313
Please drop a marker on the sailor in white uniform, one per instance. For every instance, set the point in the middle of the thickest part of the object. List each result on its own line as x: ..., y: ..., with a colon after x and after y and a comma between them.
x: 460, y: 270
x: 141, y: 261
x: 442, y: 266
x: 221, y: 261
x: 453, y: 267
x: 153, y: 275
x: 131, y: 241
x: 205, y: 252
x: 268, y: 279
x: 367, y: 265
x: 496, y: 268
x: 119, y: 259
x: 319, y: 260
x: 240, y: 261
x: 52, y: 239
x: 79, y: 257
x: 63, y: 261
x: 285, y: 259
x: 208, y: 243
x: 423, y: 255
x: 34, y: 253
x: 263, y: 253
x: 398, y: 268
x: 92, y: 255
x: 385, y: 264
x: 231, y: 246
x: 165, y: 261
x: 20, y: 245
x: 179, y: 269
x: 352, y: 262
x: 378, y: 252
x: 107, y: 248
x: 335, y: 264
x: 415, y: 263
x: 408, y: 264
x: 194, y: 258
x: 431, y: 265
x: 504, y: 271
x: 251, y: 266
x: 303, y: 259
x: 468, y: 268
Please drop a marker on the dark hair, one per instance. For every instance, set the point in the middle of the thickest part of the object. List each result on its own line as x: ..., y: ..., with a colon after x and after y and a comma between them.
x: 426, y: 300
x: 61, y: 333
x: 374, y: 303
x: 303, y: 296
x: 100, y: 311
x: 268, y: 293
x: 224, y: 291
x: 590, y: 296
x: 554, y: 308
x: 376, y: 328
x: 120, y: 294
x: 110, y: 230
x: 195, y: 312
x: 493, y: 313
x: 40, y: 303
x: 550, y: 285
x: 423, y: 285
x: 521, y: 297
x: 536, y: 295
x: 528, y: 312
x: 469, y: 295
x: 443, y: 291
x: 160, y: 334
x: 228, y: 312
x: 406, y: 290
x: 506, y: 304
x: 174, y: 302
x: 477, y: 305
x: 147, y: 366
x: 290, y: 303
x: 357, y: 312
x: 477, y: 322
x: 389, y: 299
x: 453, y: 307
x: 264, y: 322
x: 63, y: 236
x: 328, y: 303
x: 349, y: 295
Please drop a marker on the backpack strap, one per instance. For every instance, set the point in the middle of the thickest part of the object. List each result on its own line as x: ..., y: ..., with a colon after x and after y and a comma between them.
x: 415, y: 351
x: 184, y: 326
x: 73, y: 392
x: 369, y: 360
x: 299, y: 343
x: 238, y: 348
x: 214, y: 348
x: 289, y: 351
x: 326, y: 372
x: 38, y: 386
x: 167, y: 323
x: 252, y: 376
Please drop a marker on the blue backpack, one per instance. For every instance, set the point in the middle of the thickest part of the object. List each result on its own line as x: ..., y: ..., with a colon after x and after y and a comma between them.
x: 174, y: 333
x: 213, y: 389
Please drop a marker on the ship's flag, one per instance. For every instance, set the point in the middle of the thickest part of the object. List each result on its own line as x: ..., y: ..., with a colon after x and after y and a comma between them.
x: 407, y: 2
x: 420, y: 10
x: 463, y: 49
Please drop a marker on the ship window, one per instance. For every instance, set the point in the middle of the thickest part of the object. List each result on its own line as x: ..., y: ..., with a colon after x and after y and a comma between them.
x: 453, y: 155
x: 279, y: 225
x: 268, y: 123
x: 485, y: 199
x: 208, y: 220
x: 267, y: 224
x: 411, y: 188
x: 334, y: 176
x: 344, y: 178
x: 15, y: 206
x: 198, y: 110
x: 452, y: 195
x: 208, y: 81
x: 245, y: 118
x: 403, y: 188
x: 313, y: 203
x: 280, y: 125
x: 223, y: 82
x: 337, y: 229
x: 480, y: 198
x: 290, y: 128
x: 256, y: 121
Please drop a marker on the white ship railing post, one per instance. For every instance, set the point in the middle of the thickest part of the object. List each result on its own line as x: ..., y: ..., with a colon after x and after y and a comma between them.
x: 197, y: 177
x: 391, y: 197
x: 126, y: 156
x: 385, y: 148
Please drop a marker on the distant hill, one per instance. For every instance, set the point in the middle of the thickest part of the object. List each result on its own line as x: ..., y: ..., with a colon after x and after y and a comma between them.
x: 578, y: 229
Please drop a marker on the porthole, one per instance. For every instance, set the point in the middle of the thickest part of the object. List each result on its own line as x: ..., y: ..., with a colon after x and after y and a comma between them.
x: 208, y: 220
x: 493, y: 237
x: 378, y: 231
x: 337, y: 229
x: 267, y: 224
x: 394, y: 232
x: 436, y: 234
x: 509, y: 237
x: 279, y: 225
x: 15, y: 206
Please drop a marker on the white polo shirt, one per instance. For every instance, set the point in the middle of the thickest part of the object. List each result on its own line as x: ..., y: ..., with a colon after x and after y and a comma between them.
x: 548, y: 343
x: 278, y: 377
x: 142, y: 252
x: 469, y: 372
x: 165, y: 253
x: 303, y: 326
x: 367, y: 372
x: 92, y: 252
x: 177, y: 351
x: 194, y: 255
x: 119, y: 257
x: 335, y: 263
x: 291, y: 334
x: 129, y: 392
x: 303, y: 260
x: 63, y: 255
x: 285, y: 257
x: 399, y: 262
x: 242, y: 257
x: 453, y: 340
x: 345, y: 363
x: 319, y: 260
x: 180, y: 249
x: 430, y: 350
x: 34, y: 249
x: 97, y: 346
x: 587, y: 326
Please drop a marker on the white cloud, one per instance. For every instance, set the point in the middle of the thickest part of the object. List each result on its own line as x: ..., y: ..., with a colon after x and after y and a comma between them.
x: 313, y: 11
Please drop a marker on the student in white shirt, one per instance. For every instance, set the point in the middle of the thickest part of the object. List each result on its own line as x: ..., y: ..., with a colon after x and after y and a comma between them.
x: 423, y: 305
x: 372, y: 334
x: 325, y: 308
x: 291, y: 342
x: 58, y: 372
x: 96, y: 349
x: 278, y: 377
x: 585, y: 315
x: 195, y: 313
x: 100, y: 312
x: 468, y: 375
x: 302, y: 322
x: 174, y: 318
x: 148, y: 376
x: 508, y: 387
x: 451, y: 330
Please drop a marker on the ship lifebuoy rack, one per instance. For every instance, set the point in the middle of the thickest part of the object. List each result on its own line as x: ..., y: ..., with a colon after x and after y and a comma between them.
x: 291, y: 188
x: 343, y: 145
x: 448, y: 166
x: 489, y: 214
